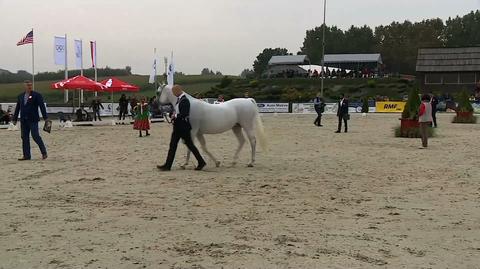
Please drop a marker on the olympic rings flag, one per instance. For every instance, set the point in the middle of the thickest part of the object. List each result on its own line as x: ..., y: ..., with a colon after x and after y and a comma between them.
x: 60, y: 47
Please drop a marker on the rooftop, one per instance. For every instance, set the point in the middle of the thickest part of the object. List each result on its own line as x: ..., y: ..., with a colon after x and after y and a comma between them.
x: 289, y: 59
x: 448, y: 59
x: 353, y: 58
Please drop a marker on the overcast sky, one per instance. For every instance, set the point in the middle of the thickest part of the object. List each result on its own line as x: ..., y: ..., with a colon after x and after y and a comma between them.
x: 224, y: 35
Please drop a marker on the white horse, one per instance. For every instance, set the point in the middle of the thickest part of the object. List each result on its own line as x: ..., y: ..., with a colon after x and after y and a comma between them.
x: 232, y: 115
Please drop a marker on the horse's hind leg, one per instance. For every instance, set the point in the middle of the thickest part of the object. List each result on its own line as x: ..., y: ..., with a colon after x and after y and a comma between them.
x: 203, y: 144
x: 187, y: 159
x: 253, y: 143
x: 237, y: 130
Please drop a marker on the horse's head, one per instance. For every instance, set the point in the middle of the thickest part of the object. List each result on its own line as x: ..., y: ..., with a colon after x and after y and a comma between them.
x: 165, y: 95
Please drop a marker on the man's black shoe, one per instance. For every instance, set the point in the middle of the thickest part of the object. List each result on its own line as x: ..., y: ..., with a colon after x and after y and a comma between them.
x: 200, y: 166
x: 337, y: 132
x: 163, y: 168
x: 24, y: 159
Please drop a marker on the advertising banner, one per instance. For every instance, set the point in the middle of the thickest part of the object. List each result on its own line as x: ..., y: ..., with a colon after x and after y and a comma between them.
x: 303, y: 108
x: 390, y: 107
x: 272, y: 107
x: 107, y: 109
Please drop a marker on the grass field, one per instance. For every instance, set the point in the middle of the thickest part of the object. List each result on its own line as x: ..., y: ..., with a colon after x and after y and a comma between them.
x: 193, y: 83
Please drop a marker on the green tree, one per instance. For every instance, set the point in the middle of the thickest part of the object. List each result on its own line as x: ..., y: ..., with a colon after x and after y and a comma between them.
x: 261, y: 63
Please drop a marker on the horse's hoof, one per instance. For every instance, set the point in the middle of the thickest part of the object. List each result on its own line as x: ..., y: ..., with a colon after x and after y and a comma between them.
x: 250, y: 165
x: 217, y: 163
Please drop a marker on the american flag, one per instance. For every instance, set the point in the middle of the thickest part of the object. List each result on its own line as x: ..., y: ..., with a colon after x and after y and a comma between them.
x: 27, y: 39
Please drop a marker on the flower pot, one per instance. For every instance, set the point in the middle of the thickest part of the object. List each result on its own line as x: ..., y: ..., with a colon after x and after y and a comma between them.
x: 409, y: 123
x: 463, y: 114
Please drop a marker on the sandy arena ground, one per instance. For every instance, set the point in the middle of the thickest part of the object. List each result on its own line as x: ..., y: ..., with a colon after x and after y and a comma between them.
x: 315, y: 200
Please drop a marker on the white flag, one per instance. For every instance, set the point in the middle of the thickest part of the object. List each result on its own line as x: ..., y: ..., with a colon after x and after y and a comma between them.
x: 60, y: 50
x: 78, y: 54
x: 151, y: 79
x: 170, y: 72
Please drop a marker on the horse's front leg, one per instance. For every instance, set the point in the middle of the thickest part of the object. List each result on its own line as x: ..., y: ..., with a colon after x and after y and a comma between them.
x: 203, y: 144
x: 193, y: 133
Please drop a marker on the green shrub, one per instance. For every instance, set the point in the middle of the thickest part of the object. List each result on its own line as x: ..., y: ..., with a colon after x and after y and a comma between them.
x: 464, y: 104
x: 371, y: 83
x: 412, y: 106
x: 365, y: 106
x: 253, y: 83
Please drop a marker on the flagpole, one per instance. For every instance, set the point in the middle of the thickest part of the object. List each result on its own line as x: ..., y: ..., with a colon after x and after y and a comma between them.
x: 95, y: 57
x: 81, y: 70
x: 33, y: 61
x: 165, y: 61
x: 155, y: 75
x: 66, y: 69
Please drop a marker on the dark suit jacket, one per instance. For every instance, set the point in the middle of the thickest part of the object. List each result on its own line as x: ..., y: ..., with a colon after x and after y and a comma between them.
x: 29, y: 111
x: 343, y: 109
x: 182, y: 122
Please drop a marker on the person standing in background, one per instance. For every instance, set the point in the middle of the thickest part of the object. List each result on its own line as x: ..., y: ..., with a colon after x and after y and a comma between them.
x: 27, y: 106
x: 425, y: 118
x: 123, y: 104
x: 142, y: 114
x: 434, y: 103
x: 319, y: 105
x: 95, y: 106
x: 342, y: 113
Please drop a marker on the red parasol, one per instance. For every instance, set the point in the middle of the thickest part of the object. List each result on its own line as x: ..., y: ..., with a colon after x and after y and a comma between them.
x: 116, y: 85
x: 79, y: 82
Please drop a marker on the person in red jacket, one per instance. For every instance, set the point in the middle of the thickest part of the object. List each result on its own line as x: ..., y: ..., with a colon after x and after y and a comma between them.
x: 425, y: 118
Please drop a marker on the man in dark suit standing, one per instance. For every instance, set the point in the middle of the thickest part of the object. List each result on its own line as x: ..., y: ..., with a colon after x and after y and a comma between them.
x: 181, y: 130
x: 342, y: 113
x: 28, y: 104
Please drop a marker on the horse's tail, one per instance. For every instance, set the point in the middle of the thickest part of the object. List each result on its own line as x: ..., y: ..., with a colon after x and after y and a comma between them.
x: 262, y: 138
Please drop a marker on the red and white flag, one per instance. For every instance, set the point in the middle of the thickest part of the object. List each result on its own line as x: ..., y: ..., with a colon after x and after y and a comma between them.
x: 28, y: 39
x: 93, y: 53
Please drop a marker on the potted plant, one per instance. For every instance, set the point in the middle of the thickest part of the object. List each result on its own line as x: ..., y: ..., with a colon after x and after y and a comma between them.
x: 409, y: 126
x: 464, y: 110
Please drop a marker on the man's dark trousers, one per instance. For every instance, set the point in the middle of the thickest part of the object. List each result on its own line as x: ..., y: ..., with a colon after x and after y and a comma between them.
x: 95, y: 114
x: 178, y: 134
x: 344, y: 118
x: 318, y: 120
x: 27, y: 128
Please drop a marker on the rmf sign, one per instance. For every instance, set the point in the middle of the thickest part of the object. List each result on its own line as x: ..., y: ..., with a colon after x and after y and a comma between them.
x: 390, y: 107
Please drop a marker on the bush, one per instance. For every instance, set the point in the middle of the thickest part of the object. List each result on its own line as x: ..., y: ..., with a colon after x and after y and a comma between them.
x: 372, y: 83
x: 412, y: 106
x: 253, y: 83
x: 365, y: 106
x: 464, y: 104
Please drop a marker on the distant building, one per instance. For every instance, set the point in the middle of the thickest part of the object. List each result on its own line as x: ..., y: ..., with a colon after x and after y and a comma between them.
x: 287, y: 66
x: 357, y: 62
x: 3, y: 71
x: 448, y: 69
